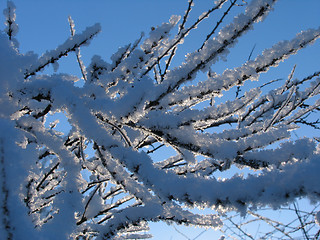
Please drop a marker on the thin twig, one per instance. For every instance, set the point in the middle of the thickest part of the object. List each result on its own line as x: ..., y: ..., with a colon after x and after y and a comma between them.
x: 47, y: 175
x: 181, y: 27
x: 183, y: 35
x: 218, y: 24
x: 300, y: 220
x: 81, y: 65
x: 250, y: 55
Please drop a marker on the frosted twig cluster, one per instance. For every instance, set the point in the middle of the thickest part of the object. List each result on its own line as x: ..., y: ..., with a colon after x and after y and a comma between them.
x: 100, y: 180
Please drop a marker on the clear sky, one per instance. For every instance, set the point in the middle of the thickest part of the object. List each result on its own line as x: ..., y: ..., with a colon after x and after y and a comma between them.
x: 43, y: 26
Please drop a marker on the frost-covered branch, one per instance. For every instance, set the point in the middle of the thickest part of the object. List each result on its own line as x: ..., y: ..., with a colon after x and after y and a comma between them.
x: 214, y: 48
x: 12, y: 26
x: 139, y: 147
x: 80, y: 62
x: 72, y: 44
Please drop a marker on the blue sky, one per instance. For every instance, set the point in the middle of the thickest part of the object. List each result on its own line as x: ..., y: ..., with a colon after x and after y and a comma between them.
x: 43, y: 25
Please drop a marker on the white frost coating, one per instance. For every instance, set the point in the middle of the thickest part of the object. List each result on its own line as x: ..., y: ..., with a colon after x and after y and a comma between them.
x: 70, y: 45
x: 158, y: 33
x: 174, y: 19
x: 224, y: 40
x: 289, y: 151
x: 201, y: 118
x: 100, y: 175
x: 213, y: 86
x: 77, y: 50
x: 217, y: 2
x: 133, y: 236
x: 255, y: 6
x: 72, y: 26
x: 10, y: 15
x: 69, y: 201
x: 13, y: 171
x: 9, y: 12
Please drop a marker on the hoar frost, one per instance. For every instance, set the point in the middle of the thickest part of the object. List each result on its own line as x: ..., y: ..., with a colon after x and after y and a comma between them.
x: 106, y: 178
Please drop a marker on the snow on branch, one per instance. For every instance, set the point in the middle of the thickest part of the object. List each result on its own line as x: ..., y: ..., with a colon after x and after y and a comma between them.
x: 212, y: 50
x: 137, y: 147
x: 72, y: 44
x: 214, y: 85
x: 10, y: 15
x: 80, y: 62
